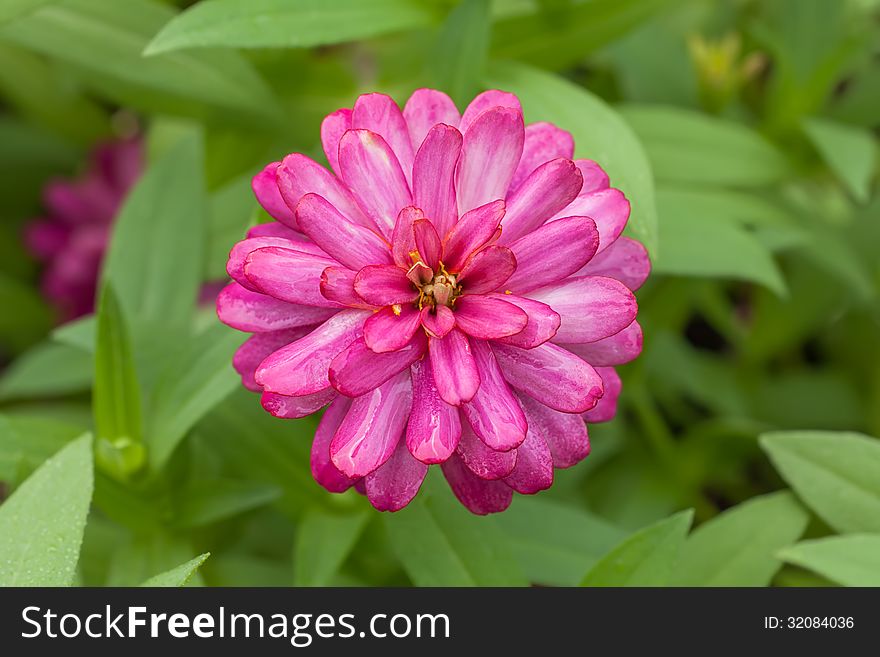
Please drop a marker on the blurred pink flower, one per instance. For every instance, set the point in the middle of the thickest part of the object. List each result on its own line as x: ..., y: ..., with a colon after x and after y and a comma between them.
x: 458, y: 293
x: 72, y: 236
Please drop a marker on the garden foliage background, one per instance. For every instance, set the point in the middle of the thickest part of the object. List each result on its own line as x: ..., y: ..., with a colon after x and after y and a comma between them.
x: 744, y: 132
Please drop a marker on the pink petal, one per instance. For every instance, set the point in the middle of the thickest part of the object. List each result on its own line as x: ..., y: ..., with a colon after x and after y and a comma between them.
x: 482, y: 460
x: 490, y: 152
x: 552, y: 253
x: 551, y: 375
x: 543, y: 142
x: 543, y: 322
x: 276, y: 229
x: 265, y: 186
x: 455, y: 371
x: 239, y: 253
x: 620, y: 348
x: 494, y: 413
x: 332, y: 128
x: 547, y: 190
x: 388, y: 330
x: 434, y: 176
x: 403, y: 242
x: 323, y: 470
x: 595, y: 178
x: 301, y: 368
x: 293, y: 408
x: 427, y: 242
x: 350, y: 243
x: 299, y: 175
x: 337, y: 284
x: 379, y: 113
x: 534, y: 466
x: 394, y: 485
x: 384, y: 285
x: 288, y: 275
x: 434, y: 428
x: 425, y: 109
x: 437, y: 321
x: 606, y: 409
x: 608, y: 208
x: 591, y: 307
x: 257, y: 313
x: 357, y: 369
x: 368, y: 435
x: 565, y: 433
x: 478, y: 495
x: 626, y: 260
x: 486, y: 101
x: 256, y: 348
x: 488, y: 318
x: 471, y: 232
x: 487, y: 270
x: 371, y: 170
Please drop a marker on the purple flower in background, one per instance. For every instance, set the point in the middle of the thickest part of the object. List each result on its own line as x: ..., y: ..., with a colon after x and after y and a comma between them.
x: 72, y: 236
x: 457, y: 291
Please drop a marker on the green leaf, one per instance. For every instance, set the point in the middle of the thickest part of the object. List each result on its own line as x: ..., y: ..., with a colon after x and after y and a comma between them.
x: 231, y: 209
x: 206, y: 502
x: 116, y: 399
x: 285, y: 24
x: 850, y: 153
x: 739, y: 547
x: 11, y: 9
x: 46, y: 370
x: 155, y: 257
x: 685, y: 146
x: 554, y: 544
x: 836, y: 474
x: 459, y: 62
x: 42, y: 523
x: 177, y: 576
x: 852, y: 560
x: 646, y: 558
x: 104, y: 41
x: 323, y: 542
x: 599, y: 134
x: 27, y: 441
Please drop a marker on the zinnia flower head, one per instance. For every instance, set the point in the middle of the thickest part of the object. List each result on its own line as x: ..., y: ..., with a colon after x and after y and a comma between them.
x: 456, y: 289
x: 72, y: 236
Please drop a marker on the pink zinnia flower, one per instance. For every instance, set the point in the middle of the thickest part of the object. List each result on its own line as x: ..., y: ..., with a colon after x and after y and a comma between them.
x: 72, y: 236
x: 458, y: 293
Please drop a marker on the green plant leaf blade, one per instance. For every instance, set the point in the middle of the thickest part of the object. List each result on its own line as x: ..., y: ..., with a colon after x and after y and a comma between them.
x: 178, y: 576
x: 323, y: 542
x: 852, y: 560
x: 850, y: 153
x: 460, y: 59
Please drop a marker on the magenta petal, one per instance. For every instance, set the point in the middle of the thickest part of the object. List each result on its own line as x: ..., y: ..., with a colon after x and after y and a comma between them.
x: 368, y: 435
x: 371, y: 170
x: 337, y: 284
x: 384, y: 285
x: 620, y: 348
x: 332, y: 128
x: 437, y: 321
x: 606, y: 409
x: 288, y: 275
x: 494, y: 412
x: 292, y: 408
x: 323, y: 470
x: 301, y: 368
x: 239, y: 253
x: 552, y: 253
x: 551, y: 375
x: 358, y: 369
x: 543, y: 142
x: 425, y: 109
x: 534, y: 466
x: 265, y: 186
x: 258, y: 313
x: 608, y: 208
x: 591, y: 307
x: 478, y: 495
x: 381, y: 115
x: 487, y: 270
x: 595, y: 178
x: 543, y: 322
x: 547, y: 190
x: 471, y: 232
x: 490, y: 153
x: 455, y: 371
x: 486, y: 101
x: 565, y: 433
x: 351, y: 244
x: 626, y: 260
x: 256, y: 348
x: 434, y: 176
x: 403, y: 241
x: 427, y: 242
x: 434, y: 428
x: 482, y: 460
x: 395, y: 483
x: 488, y: 318
x: 388, y: 330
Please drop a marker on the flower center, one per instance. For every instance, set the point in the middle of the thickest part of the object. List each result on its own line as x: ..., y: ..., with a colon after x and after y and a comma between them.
x: 435, y: 289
